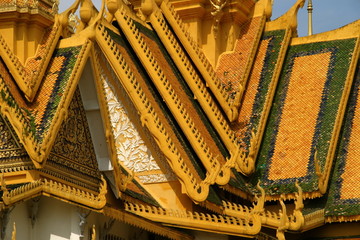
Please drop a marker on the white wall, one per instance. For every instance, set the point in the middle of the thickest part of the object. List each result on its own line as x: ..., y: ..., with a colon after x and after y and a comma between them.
x: 58, y: 220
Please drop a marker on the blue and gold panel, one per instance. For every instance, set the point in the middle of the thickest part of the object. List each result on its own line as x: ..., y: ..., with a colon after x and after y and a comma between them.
x: 305, y: 116
x: 344, y: 195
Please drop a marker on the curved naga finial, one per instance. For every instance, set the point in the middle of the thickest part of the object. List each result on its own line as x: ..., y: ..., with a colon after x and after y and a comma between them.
x: 64, y: 16
x: 260, y: 201
x: 284, y: 221
x: 297, y: 219
x: 13, y: 234
x: 321, y: 173
x: 289, y: 19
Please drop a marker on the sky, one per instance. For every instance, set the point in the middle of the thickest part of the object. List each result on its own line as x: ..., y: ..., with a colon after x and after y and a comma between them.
x: 327, y: 14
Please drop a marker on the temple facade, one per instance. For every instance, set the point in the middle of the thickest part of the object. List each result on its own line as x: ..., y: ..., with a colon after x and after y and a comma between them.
x: 176, y: 119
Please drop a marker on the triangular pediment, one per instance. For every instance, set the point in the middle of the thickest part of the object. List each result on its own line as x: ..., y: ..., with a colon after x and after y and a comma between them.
x: 36, y: 123
x: 72, y: 155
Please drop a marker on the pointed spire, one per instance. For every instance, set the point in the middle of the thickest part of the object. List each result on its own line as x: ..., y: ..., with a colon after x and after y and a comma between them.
x: 310, y: 24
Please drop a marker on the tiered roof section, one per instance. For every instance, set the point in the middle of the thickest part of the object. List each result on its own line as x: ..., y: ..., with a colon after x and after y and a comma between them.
x: 190, y: 145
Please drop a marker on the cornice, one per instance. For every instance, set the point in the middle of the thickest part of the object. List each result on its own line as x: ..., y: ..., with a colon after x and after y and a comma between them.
x: 145, y: 224
x: 230, y: 225
x: 59, y: 190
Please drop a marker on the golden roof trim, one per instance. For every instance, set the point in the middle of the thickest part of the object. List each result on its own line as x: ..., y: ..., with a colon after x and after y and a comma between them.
x: 200, y: 60
x: 202, y: 95
x: 256, y: 138
x: 39, y: 152
x: 341, y: 219
x: 145, y: 224
x: 26, y: 78
x: 296, y: 221
x: 289, y: 19
x: 166, y: 90
x: 348, y: 31
x: 53, y: 188
x: 261, y: 10
x: 246, y: 227
x: 122, y: 180
x: 198, y: 191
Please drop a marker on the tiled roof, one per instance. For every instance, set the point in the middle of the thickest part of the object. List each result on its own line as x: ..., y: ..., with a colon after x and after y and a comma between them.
x: 37, y: 118
x: 343, y: 202
x: 304, y: 119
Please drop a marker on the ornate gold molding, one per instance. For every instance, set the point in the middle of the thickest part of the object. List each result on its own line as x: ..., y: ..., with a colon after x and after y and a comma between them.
x: 262, y: 10
x: 93, y: 233
x: 323, y: 172
x: 200, y: 60
x: 198, y: 191
x: 13, y: 234
x: 49, y: 187
x: 29, y: 76
x: 167, y: 91
x: 246, y: 227
x: 281, y: 221
x: 134, y: 220
x: 128, y: 146
x: 200, y: 92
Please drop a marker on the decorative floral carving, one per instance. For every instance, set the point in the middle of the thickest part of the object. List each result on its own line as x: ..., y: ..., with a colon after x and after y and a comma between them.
x: 155, y: 178
x: 74, y: 141
x: 130, y: 148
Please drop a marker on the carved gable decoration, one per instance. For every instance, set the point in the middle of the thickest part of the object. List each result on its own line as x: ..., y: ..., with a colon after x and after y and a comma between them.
x: 73, y: 150
x: 37, y: 122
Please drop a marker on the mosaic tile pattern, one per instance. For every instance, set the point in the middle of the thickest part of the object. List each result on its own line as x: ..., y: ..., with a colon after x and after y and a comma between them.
x: 39, y: 114
x: 275, y: 153
x: 35, y: 64
x: 344, y: 193
x: 296, y: 128
x: 232, y: 66
x: 257, y: 90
